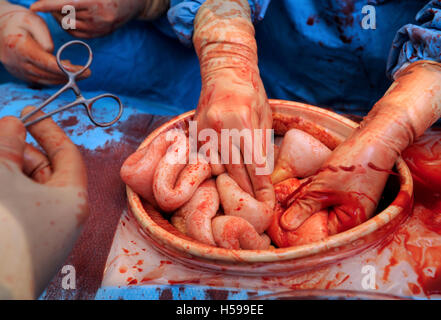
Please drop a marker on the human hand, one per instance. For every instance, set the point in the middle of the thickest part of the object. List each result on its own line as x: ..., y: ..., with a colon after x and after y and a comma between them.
x: 351, y: 181
x: 233, y: 95
x: 43, y: 203
x: 97, y: 18
x: 26, y: 47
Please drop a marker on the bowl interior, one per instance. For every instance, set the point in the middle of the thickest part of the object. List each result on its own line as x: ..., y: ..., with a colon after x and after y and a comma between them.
x: 331, y: 129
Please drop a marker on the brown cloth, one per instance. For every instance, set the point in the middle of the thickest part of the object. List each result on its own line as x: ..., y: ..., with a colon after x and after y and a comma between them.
x: 107, y: 199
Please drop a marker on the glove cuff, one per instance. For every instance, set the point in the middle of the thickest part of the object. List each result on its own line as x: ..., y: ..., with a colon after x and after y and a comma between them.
x: 410, y: 106
x: 225, y: 41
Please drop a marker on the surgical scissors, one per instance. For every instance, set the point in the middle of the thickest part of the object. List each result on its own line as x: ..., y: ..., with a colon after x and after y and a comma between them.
x: 71, y: 84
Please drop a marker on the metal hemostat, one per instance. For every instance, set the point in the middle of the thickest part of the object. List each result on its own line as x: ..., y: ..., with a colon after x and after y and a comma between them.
x: 72, y: 85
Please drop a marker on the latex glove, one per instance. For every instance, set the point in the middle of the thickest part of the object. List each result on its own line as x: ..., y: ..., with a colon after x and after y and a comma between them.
x: 96, y: 18
x: 351, y: 181
x: 26, y: 47
x: 232, y: 95
x: 43, y: 203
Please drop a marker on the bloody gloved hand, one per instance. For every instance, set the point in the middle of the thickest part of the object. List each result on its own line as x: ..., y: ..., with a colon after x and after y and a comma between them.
x: 351, y: 181
x: 26, y: 47
x: 43, y: 203
x: 96, y: 18
x: 232, y: 95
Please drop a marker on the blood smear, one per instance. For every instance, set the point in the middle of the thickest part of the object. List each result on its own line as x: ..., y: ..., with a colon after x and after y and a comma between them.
x: 424, y: 159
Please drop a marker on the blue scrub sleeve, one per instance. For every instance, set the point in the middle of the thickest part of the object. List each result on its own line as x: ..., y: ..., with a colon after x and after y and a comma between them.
x: 417, y: 42
x: 182, y: 13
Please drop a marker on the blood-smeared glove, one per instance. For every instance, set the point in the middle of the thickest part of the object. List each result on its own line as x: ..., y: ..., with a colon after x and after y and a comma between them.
x: 97, y: 18
x: 26, y: 47
x: 43, y: 203
x: 351, y: 181
x: 233, y: 95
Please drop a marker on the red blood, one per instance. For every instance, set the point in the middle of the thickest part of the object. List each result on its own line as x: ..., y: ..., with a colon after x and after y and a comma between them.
x: 314, y: 229
x: 424, y: 159
x: 193, y: 281
x: 331, y: 168
x: 166, y: 294
x: 311, y: 20
x: 392, y: 262
x: 163, y: 262
x: 293, y: 196
x: 123, y: 269
x: 432, y: 285
x: 374, y: 167
x: 69, y: 122
x: 432, y: 202
x: 349, y: 169
x: 414, y: 288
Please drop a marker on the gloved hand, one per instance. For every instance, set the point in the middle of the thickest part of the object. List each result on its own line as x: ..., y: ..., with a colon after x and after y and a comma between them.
x: 26, y: 47
x: 351, y: 181
x: 232, y: 95
x: 97, y: 18
x: 43, y: 203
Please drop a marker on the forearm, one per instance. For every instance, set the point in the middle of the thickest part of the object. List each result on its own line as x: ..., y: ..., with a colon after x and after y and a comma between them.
x: 410, y: 106
x: 53, y: 231
x: 16, y: 274
x: 224, y: 37
x: 6, y: 7
x: 46, y: 222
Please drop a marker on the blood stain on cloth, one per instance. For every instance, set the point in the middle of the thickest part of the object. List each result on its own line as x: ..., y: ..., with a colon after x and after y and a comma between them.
x: 213, y: 294
x: 69, y: 122
x: 107, y: 200
x: 166, y: 294
x: 311, y: 20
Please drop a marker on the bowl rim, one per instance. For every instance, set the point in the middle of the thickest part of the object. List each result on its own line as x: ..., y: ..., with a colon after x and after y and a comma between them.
x: 207, y: 252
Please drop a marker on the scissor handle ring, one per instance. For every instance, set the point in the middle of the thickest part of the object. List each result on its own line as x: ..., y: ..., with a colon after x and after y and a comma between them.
x: 90, y: 103
x: 68, y: 44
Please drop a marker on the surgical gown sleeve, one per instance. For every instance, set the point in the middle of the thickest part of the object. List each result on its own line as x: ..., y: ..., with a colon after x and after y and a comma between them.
x: 182, y: 13
x: 421, y: 41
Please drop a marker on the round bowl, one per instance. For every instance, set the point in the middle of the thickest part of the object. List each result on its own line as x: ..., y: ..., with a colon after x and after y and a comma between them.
x: 331, y: 129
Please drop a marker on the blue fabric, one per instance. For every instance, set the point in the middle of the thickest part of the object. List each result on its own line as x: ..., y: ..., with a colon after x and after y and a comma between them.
x: 136, y: 60
x: 312, y: 51
x: 174, y: 292
x: 14, y: 97
x: 182, y: 13
x: 418, y: 42
x: 315, y: 51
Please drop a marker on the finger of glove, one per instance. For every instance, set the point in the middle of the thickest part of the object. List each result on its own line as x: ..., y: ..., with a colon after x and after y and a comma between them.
x: 36, y: 165
x: 12, y: 141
